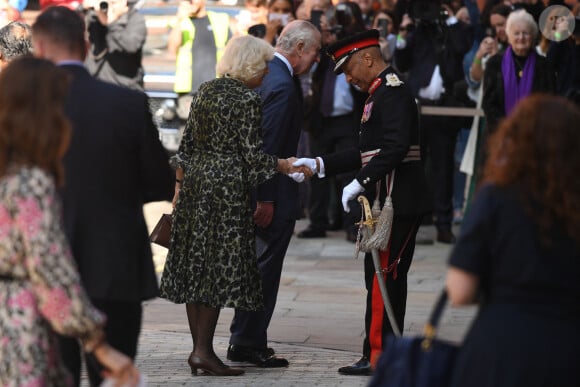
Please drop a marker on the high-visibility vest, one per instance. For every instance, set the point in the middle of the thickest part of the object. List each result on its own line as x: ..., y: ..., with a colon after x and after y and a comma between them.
x: 183, y: 67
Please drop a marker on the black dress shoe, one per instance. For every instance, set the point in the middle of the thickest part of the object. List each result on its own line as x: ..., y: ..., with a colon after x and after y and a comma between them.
x: 445, y: 236
x: 311, y: 232
x: 361, y: 367
x: 351, y: 236
x: 261, y: 357
x: 334, y: 226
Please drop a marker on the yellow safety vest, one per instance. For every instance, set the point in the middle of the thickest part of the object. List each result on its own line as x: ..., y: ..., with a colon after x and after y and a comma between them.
x: 183, y: 67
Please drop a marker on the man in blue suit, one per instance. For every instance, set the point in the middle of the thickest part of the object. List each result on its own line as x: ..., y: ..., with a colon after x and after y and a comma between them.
x: 114, y: 164
x: 297, y: 48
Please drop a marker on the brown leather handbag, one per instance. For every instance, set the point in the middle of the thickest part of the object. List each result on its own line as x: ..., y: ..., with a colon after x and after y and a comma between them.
x: 161, y: 234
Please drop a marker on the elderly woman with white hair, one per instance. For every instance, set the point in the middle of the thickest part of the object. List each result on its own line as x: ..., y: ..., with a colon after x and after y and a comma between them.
x: 518, y: 72
x: 212, y: 259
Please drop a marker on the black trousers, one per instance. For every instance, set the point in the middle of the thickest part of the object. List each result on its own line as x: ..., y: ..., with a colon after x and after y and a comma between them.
x: 249, y: 328
x: 335, y: 134
x: 377, y: 324
x: 439, y: 139
x: 122, y: 333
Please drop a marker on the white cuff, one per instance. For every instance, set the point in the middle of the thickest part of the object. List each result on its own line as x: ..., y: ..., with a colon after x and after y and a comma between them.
x: 451, y: 20
x: 321, y: 171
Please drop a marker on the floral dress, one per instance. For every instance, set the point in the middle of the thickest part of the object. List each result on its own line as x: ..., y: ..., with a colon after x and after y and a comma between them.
x: 40, y: 290
x: 212, y: 258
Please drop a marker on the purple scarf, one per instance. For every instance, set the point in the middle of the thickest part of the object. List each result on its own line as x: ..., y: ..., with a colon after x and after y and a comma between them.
x: 514, y: 90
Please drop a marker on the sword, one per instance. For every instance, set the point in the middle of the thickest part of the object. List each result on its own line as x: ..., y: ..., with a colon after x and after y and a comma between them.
x: 370, y: 223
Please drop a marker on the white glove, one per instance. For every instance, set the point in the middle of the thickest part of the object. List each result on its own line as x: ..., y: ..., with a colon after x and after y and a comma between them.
x: 309, y: 163
x: 350, y: 192
x: 297, y: 176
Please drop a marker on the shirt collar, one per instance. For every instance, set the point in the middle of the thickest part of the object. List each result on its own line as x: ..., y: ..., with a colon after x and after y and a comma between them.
x: 286, y: 62
x: 71, y: 62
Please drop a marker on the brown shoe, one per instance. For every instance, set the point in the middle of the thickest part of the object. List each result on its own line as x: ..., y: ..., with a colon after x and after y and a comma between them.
x: 214, y: 367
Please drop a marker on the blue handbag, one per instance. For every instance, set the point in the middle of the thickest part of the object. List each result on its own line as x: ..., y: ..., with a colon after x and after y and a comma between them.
x: 422, y: 361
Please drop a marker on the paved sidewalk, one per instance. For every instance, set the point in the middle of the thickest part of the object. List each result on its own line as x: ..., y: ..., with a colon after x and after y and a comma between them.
x: 318, y: 322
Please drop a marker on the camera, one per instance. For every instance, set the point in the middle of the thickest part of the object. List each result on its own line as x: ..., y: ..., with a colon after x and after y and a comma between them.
x: 103, y: 6
x: 315, y: 16
x: 427, y: 11
x: 258, y: 30
x: 342, y: 14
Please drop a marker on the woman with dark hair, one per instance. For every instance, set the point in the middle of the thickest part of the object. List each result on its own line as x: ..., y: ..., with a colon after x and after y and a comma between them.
x: 40, y: 289
x: 495, y: 42
x: 518, y: 254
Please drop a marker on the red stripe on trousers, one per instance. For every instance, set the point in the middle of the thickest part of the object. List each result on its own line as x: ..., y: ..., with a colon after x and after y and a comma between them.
x: 378, y: 311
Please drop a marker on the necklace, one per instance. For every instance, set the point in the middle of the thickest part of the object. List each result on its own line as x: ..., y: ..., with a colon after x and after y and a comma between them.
x: 519, y: 65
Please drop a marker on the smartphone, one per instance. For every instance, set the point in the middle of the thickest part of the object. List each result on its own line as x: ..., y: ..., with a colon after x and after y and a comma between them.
x: 283, y: 17
x: 315, y: 16
x: 258, y: 30
x: 383, y: 25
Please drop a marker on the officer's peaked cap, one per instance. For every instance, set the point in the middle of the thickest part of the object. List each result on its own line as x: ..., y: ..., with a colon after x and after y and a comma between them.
x: 341, y: 51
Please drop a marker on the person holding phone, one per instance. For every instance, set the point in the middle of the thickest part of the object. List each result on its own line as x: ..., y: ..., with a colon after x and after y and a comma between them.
x: 387, y: 39
x: 496, y: 42
x: 280, y: 13
x: 117, y: 34
x: 254, y: 12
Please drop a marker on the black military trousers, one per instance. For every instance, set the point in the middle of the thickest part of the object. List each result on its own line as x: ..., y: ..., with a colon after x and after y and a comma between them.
x: 377, y: 324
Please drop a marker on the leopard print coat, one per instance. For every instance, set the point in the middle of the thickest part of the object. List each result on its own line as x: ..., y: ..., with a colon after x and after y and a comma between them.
x: 212, y: 259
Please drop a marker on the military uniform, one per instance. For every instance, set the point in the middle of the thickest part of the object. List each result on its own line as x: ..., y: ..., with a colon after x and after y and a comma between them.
x: 389, y: 140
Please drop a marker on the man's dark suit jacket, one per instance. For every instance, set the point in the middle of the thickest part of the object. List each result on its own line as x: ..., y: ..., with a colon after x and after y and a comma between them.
x: 115, y: 164
x: 281, y: 125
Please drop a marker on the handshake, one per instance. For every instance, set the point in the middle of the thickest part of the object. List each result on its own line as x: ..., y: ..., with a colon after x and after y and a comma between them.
x: 298, y: 169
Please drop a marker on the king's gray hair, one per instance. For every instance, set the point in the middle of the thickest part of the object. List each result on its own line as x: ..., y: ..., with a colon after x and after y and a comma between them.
x: 294, y: 33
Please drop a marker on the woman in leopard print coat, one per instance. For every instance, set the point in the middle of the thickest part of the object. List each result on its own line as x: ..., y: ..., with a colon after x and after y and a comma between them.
x: 212, y: 259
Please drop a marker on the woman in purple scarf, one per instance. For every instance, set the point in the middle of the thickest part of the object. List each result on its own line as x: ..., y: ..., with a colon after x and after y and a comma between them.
x: 517, y: 73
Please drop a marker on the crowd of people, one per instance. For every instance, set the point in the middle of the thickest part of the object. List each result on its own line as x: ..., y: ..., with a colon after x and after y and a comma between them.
x: 318, y: 94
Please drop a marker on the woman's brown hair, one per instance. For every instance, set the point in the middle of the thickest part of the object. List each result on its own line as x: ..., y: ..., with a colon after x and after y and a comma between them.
x: 537, y: 150
x: 33, y: 129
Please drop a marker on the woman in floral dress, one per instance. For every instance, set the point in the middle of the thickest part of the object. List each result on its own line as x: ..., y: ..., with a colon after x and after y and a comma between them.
x: 212, y: 259
x: 40, y: 290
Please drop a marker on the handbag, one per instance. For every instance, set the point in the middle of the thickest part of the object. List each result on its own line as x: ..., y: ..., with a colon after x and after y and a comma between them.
x: 161, y: 234
x: 422, y: 361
